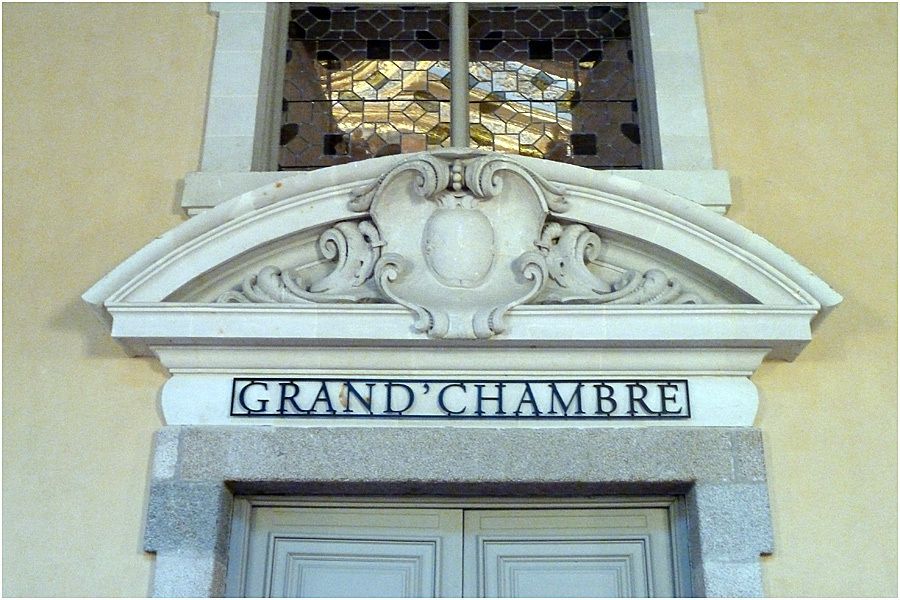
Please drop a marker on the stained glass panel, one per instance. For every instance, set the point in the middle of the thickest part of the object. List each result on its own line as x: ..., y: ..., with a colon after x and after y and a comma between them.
x: 555, y: 83
x: 364, y: 81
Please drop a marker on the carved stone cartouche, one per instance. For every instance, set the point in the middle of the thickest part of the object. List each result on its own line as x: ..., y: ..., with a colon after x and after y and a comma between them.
x: 456, y: 224
x: 459, y: 238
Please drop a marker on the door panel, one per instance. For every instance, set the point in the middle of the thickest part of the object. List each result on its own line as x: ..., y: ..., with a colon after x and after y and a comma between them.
x: 568, y: 553
x: 565, y: 569
x: 352, y: 552
x: 307, y: 568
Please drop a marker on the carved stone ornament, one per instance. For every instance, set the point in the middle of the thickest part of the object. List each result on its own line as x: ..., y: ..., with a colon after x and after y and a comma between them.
x: 459, y: 238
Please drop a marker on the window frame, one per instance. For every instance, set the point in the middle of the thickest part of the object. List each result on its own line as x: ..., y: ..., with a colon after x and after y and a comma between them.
x: 246, y: 84
x: 240, y: 144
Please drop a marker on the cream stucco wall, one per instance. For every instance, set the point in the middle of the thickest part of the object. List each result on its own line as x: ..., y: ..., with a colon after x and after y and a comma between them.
x: 803, y: 114
x: 103, y: 110
x: 103, y: 114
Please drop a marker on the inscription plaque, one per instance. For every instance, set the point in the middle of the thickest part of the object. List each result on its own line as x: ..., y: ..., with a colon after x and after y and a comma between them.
x: 460, y: 399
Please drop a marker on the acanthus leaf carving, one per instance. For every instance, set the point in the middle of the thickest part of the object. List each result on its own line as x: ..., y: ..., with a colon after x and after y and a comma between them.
x: 569, y: 249
x: 478, y: 246
x: 355, y: 248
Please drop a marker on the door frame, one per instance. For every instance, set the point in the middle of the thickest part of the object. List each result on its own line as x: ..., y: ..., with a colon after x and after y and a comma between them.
x: 197, y: 471
x: 675, y: 507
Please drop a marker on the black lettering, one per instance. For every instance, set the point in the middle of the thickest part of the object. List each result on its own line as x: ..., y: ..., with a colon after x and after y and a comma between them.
x: 498, y: 398
x: 262, y: 401
x: 555, y: 397
x: 285, y: 397
x: 351, y: 391
x: 322, y: 396
x: 441, y: 398
x: 530, y: 395
x: 410, y: 398
x: 605, y: 394
x: 634, y: 399
x: 665, y: 399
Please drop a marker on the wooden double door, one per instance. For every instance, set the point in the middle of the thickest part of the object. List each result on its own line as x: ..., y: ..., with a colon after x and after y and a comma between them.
x: 386, y: 549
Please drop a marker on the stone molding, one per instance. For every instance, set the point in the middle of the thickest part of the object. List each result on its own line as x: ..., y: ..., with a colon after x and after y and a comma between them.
x: 197, y: 471
x: 411, y: 255
x: 709, y: 188
x: 243, y: 114
x: 670, y: 86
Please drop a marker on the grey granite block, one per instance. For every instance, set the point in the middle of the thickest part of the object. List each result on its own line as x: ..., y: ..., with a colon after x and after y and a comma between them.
x: 188, y: 516
x: 732, y: 580
x: 730, y: 522
x: 165, y: 453
x: 455, y: 455
x: 749, y: 458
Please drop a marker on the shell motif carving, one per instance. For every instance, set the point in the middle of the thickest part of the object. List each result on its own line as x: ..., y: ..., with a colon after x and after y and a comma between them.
x: 459, y: 238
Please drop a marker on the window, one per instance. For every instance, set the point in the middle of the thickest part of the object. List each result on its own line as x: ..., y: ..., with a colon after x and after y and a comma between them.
x: 548, y: 82
x: 241, y: 150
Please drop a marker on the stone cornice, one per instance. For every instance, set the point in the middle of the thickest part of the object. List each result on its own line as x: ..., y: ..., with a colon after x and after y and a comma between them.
x: 782, y: 330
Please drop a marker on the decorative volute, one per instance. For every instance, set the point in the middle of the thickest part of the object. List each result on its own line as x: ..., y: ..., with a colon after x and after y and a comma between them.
x: 468, y: 251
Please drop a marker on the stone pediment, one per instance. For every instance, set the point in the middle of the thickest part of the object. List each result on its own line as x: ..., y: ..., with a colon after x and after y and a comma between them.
x: 460, y: 241
x: 461, y: 264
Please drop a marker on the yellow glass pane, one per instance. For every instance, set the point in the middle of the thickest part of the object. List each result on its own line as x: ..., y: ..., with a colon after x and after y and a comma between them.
x: 376, y: 112
x: 506, y: 143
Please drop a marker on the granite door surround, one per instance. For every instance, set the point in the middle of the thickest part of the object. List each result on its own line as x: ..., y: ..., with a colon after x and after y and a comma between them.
x: 198, y: 470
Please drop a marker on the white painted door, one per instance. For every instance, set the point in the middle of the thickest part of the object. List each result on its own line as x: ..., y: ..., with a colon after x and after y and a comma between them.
x: 576, y: 553
x: 403, y: 552
x: 351, y: 552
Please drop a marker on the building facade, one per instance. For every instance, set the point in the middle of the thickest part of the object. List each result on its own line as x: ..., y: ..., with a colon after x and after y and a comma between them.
x: 77, y: 466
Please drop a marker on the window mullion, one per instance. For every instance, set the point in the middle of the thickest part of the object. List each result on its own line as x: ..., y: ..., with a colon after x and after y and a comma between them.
x: 459, y: 74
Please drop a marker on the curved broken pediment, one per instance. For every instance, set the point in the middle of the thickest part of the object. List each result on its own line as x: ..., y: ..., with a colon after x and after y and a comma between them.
x: 465, y: 244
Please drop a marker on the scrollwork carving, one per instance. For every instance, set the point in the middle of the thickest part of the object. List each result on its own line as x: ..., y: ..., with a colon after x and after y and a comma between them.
x: 389, y: 269
x: 531, y: 266
x: 461, y: 260
x: 569, y: 249
x: 432, y: 176
x: 353, y: 246
x: 482, y: 176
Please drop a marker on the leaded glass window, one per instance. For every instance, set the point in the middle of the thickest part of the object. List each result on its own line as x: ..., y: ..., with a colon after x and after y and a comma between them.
x: 549, y: 82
